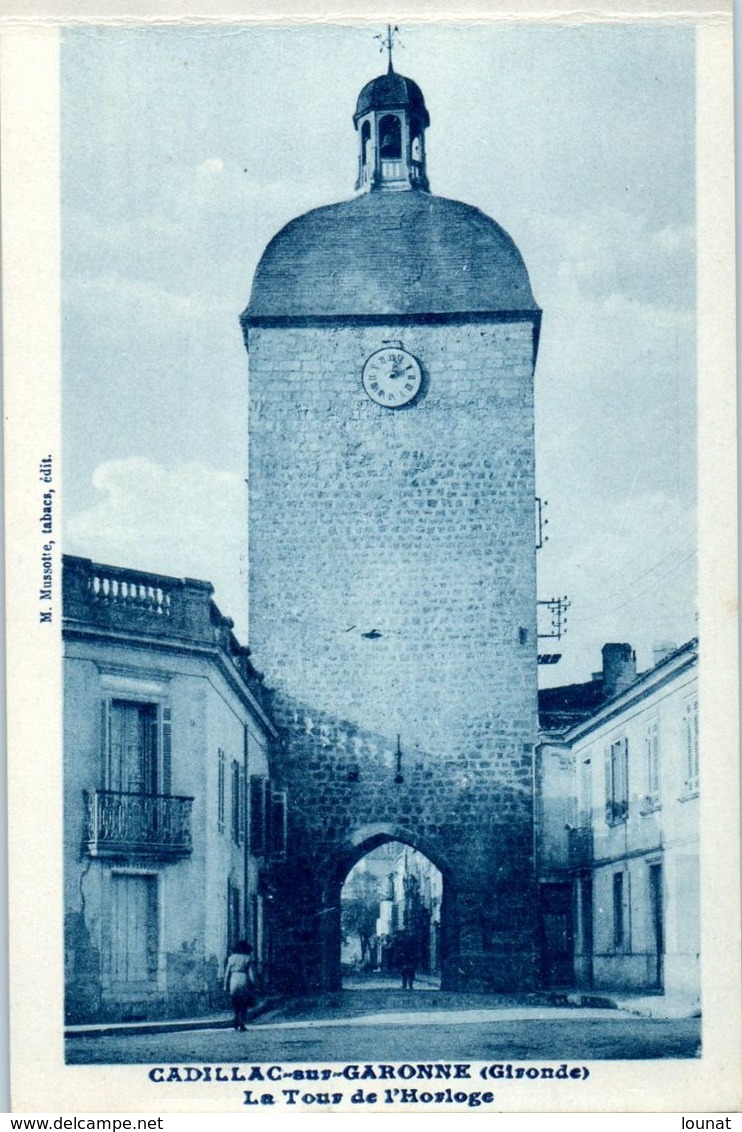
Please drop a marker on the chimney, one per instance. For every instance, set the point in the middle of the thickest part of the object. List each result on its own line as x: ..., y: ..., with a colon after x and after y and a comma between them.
x: 619, y: 668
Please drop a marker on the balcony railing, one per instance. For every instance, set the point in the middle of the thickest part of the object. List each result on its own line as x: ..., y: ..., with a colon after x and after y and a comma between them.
x: 580, y: 848
x: 145, y: 825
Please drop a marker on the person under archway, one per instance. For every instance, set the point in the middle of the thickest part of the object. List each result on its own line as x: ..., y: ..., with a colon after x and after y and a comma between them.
x: 406, y: 958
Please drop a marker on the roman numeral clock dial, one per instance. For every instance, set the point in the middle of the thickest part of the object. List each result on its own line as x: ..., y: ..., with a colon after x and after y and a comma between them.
x: 392, y: 377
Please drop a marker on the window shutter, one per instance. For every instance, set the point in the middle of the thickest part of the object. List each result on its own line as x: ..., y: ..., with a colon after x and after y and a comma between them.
x: 257, y: 816
x: 623, y: 762
x: 150, y: 756
x: 652, y: 752
x: 608, y: 785
x: 167, y: 762
x: 618, y: 911
x: 586, y: 795
x: 105, y: 744
x: 220, y: 791
x: 268, y: 815
x: 242, y: 806
x: 278, y: 824
x: 235, y: 778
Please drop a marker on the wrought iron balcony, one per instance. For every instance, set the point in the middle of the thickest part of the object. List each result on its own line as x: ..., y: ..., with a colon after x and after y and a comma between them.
x: 580, y: 847
x: 137, y: 825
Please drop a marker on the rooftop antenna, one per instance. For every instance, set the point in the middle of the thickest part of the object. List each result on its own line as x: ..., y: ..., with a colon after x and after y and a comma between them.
x: 386, y: 43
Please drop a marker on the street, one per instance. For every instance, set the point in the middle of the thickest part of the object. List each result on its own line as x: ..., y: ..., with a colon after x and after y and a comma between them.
x: 393, y: 1025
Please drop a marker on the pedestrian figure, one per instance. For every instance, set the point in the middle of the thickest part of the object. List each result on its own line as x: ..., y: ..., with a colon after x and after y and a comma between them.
x: 239, y: 982
x: 405, y: 954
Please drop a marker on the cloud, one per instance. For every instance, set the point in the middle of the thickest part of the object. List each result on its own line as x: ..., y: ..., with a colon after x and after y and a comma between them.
x: 189, y: 255
x: 212, y: 167
x: 188, y: 520
x: 614, y: 252
x: 112, y: 294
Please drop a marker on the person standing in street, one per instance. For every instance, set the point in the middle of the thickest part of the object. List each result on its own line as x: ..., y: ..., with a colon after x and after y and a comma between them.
x: 239, y: 982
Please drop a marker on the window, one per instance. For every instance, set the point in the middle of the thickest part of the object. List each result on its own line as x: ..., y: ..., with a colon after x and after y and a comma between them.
x: 136, y: 747
x: 652, y: 764
x: 220, y: 791
x: 259, y: 815
x: 691, y: 748
x: 390, y: 138
x: 365, y: 142
x: 617, y: 781
x: 278, y: 824
x: 238, y: 804
x: 618, y: 913
x: 268, y: 819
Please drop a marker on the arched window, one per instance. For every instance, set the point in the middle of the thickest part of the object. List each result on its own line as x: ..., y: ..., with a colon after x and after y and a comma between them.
x: 390, y: 138
x: 365, y: 142
x: 417, y: 147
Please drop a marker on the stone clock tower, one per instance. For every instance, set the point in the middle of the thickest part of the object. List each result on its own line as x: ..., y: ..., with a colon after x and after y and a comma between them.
x: 392, y: 340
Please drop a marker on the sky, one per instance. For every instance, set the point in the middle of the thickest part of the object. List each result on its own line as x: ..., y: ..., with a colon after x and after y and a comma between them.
x: 185, y: 150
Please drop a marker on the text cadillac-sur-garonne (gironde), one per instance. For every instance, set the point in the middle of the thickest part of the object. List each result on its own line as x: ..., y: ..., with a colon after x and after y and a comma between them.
x: 318, y: 1085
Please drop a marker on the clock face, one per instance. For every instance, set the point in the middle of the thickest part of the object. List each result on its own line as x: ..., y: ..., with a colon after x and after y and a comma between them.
x: 392, y: 377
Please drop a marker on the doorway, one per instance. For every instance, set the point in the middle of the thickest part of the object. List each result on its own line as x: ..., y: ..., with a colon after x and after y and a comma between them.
x: 557, y: 943
x: 658, y: 927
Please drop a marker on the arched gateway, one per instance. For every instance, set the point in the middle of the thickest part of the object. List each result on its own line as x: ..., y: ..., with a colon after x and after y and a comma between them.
x: 366, y: 842
x: 392, y: 341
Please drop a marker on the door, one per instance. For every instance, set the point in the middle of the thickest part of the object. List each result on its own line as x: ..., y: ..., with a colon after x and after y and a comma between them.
x: 234, y: 915
x: 134, y: 931
x: 557, y: 961
x: 586, y: 921
x: 658, y: 926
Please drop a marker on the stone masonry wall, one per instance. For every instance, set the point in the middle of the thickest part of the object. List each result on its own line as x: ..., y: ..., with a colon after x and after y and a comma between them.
x: 415, y: 526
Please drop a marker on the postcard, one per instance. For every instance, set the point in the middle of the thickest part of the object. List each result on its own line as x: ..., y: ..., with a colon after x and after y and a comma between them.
x: 370, y: 549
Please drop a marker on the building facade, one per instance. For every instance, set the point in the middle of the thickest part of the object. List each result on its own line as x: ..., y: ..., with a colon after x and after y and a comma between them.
x: 167, y: 746
x: 413, y: 906
x: 392, y: 341
x: 618, y: 827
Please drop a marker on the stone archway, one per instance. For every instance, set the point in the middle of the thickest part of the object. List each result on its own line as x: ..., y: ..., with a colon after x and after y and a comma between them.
x: 362, y: 842
x: 390, y: 908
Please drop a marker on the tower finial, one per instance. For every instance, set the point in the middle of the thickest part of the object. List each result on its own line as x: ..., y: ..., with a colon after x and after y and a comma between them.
x: 391, y: 120
x: 387, y: 43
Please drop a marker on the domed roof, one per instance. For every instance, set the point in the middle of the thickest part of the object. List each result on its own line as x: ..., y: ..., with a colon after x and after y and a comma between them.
x: 391, y: 92
x: 404, y: 253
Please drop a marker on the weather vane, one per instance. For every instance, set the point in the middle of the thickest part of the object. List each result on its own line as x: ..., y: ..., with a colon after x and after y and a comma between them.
x: 386, y: 42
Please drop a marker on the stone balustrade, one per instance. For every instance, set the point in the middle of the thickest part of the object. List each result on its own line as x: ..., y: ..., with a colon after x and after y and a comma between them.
x: 152, y: 605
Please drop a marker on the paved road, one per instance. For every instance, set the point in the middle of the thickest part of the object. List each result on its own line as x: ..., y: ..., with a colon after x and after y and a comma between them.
x: 391, y: 1026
